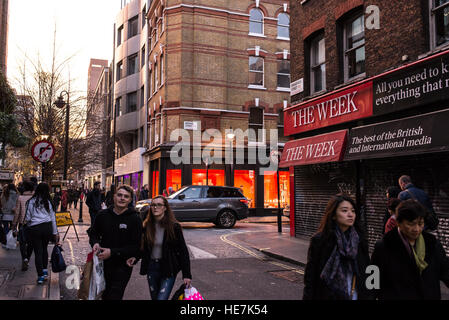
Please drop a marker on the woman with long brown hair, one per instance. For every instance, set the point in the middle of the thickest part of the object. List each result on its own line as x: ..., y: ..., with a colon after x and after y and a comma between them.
x: 338, y: 255
x: 163, y: 251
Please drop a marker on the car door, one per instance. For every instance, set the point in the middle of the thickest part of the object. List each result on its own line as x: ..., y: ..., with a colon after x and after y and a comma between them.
x: 187, y: 204
x: 210, y: 202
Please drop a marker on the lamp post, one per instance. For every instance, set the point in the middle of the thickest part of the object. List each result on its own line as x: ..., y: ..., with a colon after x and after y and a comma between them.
x: 230, y: 135
x: 60, y: 103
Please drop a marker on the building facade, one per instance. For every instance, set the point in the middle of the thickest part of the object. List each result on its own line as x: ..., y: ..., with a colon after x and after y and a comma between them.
x: 130, y: 93
x: 3, y: 35
x: 370, y: 108
x: 217, y: 69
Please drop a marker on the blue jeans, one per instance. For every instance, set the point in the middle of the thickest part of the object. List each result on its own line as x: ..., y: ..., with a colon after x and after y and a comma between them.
x: 160, y: 287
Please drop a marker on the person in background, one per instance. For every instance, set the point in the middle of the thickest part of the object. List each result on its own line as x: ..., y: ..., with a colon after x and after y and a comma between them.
x: 391, y: 193
x: 144, y: 193
x: 412, y: 262
x: 26, y: 247
x: 94, y: 201
x: 163, y: 250
x: 392, y: 222
x: 76, y: 197
x: 115, y: 237
x: 64, y: 199
x: 41, y: 228
x: 338, y: 255
x: 109, y: 200
x: 8, y: 201
x: 57, y: 198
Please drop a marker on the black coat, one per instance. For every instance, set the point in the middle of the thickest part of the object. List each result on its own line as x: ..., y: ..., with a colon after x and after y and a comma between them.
x: 175, y: 255
x: 320, y: 250
x: 399, y: 275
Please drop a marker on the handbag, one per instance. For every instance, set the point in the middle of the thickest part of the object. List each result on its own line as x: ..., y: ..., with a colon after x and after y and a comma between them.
x: 57, y: 260
x: 83, y: 291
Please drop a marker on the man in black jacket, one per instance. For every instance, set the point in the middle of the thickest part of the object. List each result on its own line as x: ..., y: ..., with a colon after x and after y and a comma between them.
x: 115, y: 236
x: 93, y: 201
x: 411, y: 262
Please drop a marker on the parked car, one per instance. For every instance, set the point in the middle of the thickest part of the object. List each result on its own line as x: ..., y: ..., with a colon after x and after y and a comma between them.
x: 223, y: 206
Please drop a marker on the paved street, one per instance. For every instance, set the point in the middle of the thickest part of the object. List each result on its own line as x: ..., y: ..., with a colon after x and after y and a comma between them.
x: 222, y: 267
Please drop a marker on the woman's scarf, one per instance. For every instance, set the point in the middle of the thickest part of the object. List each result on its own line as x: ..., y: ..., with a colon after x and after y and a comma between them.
x: 342, y: 262
x: 420, y: 253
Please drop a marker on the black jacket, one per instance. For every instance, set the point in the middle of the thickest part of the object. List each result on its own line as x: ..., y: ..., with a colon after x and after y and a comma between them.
x: 121, y: 233
x: 94, y: 200
x: 175, y: 256
x: 399, y: 275
x: 320, y: 250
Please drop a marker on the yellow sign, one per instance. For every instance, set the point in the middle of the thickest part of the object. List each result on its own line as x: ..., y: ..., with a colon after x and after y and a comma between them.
x: 63, y: 219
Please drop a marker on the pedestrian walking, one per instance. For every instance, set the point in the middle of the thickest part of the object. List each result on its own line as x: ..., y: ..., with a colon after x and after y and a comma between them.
x: 94, y: 201
x: 144, y: 193
x: 109, y: 200
x: 41, y: 227
x: 392, y: 222
x: 409, y: 191
x: 64, y: 199
x: 391, y: 193
x: 163, y: 250
x: 76, y: 197
x: 57, y: 198
x: 8, y: 205
x: 26, y: 247
x: 115, y: 237
x: 338, y: 255
x: 412, y: 262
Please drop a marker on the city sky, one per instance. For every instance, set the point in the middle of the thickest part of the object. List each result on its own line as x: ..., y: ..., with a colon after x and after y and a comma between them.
x: 84, y: 28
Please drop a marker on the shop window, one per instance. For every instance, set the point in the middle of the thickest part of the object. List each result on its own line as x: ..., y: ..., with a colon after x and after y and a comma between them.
x: 245, y: 180
x: 354, y: 46
x: 173, y: 179
x: 440, y: 21
x: 317, y: 65
x: 155, y: 187
x: 216, y: 177
x: 283, y: 26
x: 271, y: 190
x: 127, y: 179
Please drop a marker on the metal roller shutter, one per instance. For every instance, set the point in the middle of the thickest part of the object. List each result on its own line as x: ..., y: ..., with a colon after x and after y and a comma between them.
x: 314, y: 185
x: 428, y: 172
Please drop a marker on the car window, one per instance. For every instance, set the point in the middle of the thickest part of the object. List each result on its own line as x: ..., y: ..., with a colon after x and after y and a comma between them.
x: 192, y: 193
x: 214, y: 192
x: 231, y: 193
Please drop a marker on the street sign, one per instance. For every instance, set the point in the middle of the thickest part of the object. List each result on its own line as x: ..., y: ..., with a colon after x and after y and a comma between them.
x: 43, y: 151
x: 65, y: 219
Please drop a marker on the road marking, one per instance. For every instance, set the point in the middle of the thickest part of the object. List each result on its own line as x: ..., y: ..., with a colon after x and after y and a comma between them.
x: 224, y: 238
x: 197, y: 253
x: 71, y: 251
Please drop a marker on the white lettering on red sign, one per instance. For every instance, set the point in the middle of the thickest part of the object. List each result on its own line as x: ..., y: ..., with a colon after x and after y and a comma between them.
x: 312, y: 151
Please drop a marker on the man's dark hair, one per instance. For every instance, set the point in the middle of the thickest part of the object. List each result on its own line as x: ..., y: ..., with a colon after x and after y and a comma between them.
x: 393, y: 192
x: 28, y: 185
x: 96, y: 183
x: 393, y: 204
x: 410, y: 210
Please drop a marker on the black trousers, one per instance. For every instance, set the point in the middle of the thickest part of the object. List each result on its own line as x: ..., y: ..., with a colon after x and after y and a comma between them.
x: 116, y: 275
x: 40, y: 235
x: 26, y: 246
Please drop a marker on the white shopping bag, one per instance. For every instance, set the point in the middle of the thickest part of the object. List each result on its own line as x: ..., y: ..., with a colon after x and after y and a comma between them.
x: 97, y: 281
x: 11, y: 242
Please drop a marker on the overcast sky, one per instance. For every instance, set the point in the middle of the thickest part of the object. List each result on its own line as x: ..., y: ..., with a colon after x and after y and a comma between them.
x: 84, y: 28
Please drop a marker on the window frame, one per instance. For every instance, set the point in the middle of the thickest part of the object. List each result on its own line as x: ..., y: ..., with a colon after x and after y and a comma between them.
x: 134, y: 57
x: 119, y: 71
x: 312, y: 67
x: 128, y: 106
x: 119, y: 36
x: 279, y: 88
x: 261, y: 22
x: 347, y: 23
x: 131, y: 22
x: 433, y: 24
x: 256, y: 126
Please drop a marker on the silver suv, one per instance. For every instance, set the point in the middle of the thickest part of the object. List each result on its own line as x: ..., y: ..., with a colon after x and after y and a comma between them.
x: 221, y: 205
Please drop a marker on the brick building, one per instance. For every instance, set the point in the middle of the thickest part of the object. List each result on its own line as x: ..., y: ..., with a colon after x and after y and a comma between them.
x: 217, y: 65
x: 374, y: 87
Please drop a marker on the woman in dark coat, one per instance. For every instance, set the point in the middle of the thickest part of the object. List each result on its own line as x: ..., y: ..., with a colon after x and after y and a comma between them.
x: 164, y: 251
x: 338, y: 255
x: 411, y: 262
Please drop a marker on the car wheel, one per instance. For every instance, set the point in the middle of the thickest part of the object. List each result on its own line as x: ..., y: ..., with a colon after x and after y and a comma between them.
x: 226, y: 219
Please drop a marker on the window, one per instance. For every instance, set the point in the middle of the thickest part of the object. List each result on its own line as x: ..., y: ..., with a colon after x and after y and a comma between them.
x: 255, y: 22
x: 283, y: 26
x: 216, y: 177
x: 131, y: 102
x: 245, y: 180
x: 174, y: 179
x: 281, y: 124
x: 354, y: 43
x: 283, y: 74
x: 142, y: 96
x: 161, y: 69
x: 119, y: 36
x: 132, y: 64
x: 133, y: 27
x: 317, y: 65
x: 118, y: 103
x: 271, y: 189
x: 119, y: 71
x: 440, y: 16
x: 155, y: 81
x: 142, y: 57
x: 155, y: 187
x: 256, y: 65
x: 144, y: 12
x: 193, y: 193
x: 214, y: 192
x: 255, y: 123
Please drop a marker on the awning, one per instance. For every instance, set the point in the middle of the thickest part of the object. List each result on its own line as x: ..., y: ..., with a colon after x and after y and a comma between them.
x: 413, y: 135
x: 327, y: 147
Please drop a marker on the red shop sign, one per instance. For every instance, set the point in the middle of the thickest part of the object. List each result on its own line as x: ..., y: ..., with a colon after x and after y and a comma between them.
x: 347, y: 105
x: 327, y: 147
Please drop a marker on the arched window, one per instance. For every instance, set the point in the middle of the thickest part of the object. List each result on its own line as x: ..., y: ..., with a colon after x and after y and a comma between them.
x: 256, y: 21
x: 283, y: 26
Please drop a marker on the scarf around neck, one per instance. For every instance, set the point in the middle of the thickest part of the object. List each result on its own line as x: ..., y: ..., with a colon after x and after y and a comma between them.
x: 342, y: 262
x: 420, y: 253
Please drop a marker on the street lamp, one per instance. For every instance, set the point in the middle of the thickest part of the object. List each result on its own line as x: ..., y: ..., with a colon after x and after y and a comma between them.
x: 230, y: 135
x: 60, y: 103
